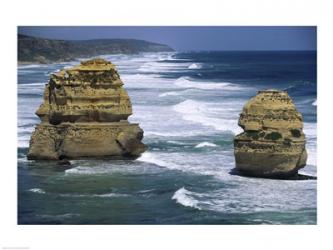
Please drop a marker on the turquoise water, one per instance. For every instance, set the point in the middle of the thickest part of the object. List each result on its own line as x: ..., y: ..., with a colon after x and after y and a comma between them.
x: 188, y: 105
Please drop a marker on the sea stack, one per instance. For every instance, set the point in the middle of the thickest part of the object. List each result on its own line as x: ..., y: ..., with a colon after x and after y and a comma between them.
x: 273, y: 143
x: 84, y: 114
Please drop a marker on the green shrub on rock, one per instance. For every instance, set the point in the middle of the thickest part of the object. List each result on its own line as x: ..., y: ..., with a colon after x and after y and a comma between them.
x: 273, y: 136
x: 295, y: 133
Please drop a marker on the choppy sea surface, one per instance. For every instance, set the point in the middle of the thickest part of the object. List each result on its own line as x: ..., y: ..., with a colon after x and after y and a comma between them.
x: 188, y: 106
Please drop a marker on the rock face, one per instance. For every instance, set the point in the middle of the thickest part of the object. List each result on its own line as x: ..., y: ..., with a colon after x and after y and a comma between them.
x: 273, y: 143
x: 84, y: 114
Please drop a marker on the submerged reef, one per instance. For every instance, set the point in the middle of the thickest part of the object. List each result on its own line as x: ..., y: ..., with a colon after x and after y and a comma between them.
x: 84, y: 114
x: 273, y: 142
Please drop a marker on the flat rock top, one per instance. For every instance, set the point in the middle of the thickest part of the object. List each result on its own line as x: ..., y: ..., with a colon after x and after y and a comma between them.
x: 94, y: 65
x: 269, y: 100
x: 97, y: 64
x: 272, y: 91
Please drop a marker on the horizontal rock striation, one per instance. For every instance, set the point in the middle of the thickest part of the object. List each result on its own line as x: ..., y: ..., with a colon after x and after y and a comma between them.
x: 273, y: 142
x: 84, y: 114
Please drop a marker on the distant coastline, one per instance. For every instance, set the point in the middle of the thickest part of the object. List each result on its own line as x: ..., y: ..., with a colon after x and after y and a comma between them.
x: 41, y: 50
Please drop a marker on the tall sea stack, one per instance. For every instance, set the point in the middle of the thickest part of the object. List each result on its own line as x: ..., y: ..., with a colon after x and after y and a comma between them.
x: 273, y: 143
x: 84, y: 114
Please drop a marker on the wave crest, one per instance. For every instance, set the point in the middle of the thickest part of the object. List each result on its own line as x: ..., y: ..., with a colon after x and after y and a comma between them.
x: 206, y: 114
x: 314, y: 103
x: 187, y: 82
x: 183, y: 197
x: 205, y: 144
x: 37, y: 190
x: 150, y: 158
x: 195, y: 66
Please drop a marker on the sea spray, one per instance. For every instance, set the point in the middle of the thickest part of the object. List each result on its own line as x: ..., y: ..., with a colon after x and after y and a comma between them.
x: 205, y: 144
x: 183, y: 197
x: 37, y: 190
x: 195, y: 66
x: 198, y: 112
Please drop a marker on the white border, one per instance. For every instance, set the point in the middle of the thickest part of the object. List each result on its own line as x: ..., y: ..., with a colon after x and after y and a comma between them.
x: 172, y: 12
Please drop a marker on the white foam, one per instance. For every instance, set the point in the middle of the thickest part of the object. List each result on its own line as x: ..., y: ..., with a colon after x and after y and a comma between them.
x: 177, y: 142
x: 25, y: 129
x: 314, y: 103
x: 86, y: 170
x: 23, y: 140
x: 31, y: 84
x: 161, y: 66
x: 174, y: 134
x: 198, y: 112
x: 23, y: 143
x: 22, y: 159
x: 37, y: 190
x: 194, y: 66
x: 176, y: 93
x: 106, y: 195
x: 135, y: 77
x: 186, y: 82
x: 151, y: 158
x: 243, y: 199
x: 310, y: 129
x: 185, y: 162
x: 26, y: 71
x: 312, y: 156
x: 58, y: 216
x: 169, y: 57
x: 28, y: 89
x: 110, y: 195
x: 146, y: 81
x: 205, y: 144
x: 28, y: 66
x: 182, y: 196
x: 171, y: 93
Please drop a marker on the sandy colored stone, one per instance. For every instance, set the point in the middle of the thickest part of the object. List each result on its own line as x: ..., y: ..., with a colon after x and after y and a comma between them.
x: 273, y: 142
x: 84, y: 114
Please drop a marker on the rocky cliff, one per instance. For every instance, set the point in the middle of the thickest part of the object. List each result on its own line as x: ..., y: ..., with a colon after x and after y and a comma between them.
x: 273, y: 143
x: 84, y: 114
x: 42, y: 50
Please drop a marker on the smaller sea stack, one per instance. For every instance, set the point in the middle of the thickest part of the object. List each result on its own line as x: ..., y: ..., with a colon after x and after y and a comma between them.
x: 273, y: 143
x: 84, y: 114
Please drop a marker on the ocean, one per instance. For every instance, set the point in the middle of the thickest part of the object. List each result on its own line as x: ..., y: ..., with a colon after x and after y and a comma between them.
x: 188, y: 104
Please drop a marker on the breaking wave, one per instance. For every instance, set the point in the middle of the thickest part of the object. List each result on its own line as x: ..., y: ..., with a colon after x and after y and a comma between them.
x: 104, y: 195
x: 151, y: 158
x: 195, y: 66
x: 186, y: 82
x: 314, y: 103
x: 205, y: 144
x: 171, y: 93
x: 182, y: 196
x: 198, y: 112
x: 37, y: 190
x: 29, y: 66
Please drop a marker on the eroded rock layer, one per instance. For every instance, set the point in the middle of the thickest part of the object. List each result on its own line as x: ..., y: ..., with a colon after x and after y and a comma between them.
x: 84, y: 114
x: 273, y: 142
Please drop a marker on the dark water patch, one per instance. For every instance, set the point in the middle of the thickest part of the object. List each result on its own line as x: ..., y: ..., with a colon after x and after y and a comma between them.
x: 259, y: 67
x: 200, y: 143
x: 294, y: 177
x: 30, y: 95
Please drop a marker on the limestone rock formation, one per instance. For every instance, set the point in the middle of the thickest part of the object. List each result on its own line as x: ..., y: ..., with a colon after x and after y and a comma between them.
x: 84, y: 114
x: 273, y: 143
